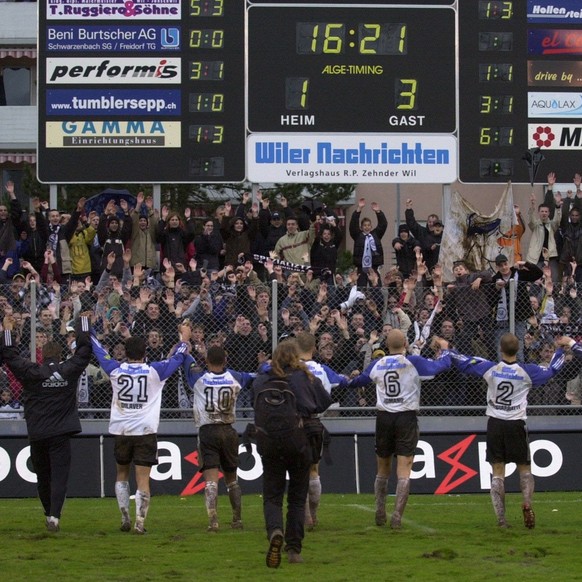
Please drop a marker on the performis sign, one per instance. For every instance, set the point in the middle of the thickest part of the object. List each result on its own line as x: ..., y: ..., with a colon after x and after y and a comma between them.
x: 113, y: 71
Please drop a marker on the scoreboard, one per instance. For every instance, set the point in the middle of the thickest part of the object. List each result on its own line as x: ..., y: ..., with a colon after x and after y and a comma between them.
x: 350, y: 91
x: 519, y: 88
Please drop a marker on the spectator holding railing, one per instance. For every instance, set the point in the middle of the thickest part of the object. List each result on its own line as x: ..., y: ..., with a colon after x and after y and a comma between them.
x: 467, y: 299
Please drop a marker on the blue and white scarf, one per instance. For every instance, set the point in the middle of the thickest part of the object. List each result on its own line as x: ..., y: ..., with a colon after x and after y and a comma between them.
x: 369, y: 248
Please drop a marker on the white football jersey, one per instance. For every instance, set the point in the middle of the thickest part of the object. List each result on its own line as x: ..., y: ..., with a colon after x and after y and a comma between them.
x: 137, y: 399
x: 137, y: 391
x: 214, y: 395
x: 215, y: 398
x: 398, y: 379
x: 508, y: 384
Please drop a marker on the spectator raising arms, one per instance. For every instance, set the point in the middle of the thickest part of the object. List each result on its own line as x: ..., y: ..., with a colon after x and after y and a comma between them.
x: 368, y: 251
x: 10, y: 229
x: 173, y: 237
x: 113, y: 237
x: 405, y: 248
x: 237, y: 233
x: 143, y: 233
x: 430, y: 236
x: 209, y: 247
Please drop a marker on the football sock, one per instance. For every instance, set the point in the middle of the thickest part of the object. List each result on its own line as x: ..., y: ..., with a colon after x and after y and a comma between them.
x: 142, y: 504
x: 235, y: 496
x: 314, y: 495
x: 498, y: 497
x: 210, y: 496
x: 526, y: 484
x: 380, y: 491
x: 122, y: 494
x: 402, y: 491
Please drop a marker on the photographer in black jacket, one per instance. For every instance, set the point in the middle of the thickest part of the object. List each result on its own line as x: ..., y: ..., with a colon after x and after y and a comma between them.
x: 289, y: 453
x: 50, y: 408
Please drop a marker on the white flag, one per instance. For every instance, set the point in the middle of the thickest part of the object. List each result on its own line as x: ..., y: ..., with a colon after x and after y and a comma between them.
x: 473, y: 237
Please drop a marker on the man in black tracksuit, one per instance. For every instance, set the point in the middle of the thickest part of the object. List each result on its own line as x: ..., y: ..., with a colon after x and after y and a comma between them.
x: 50, y: 408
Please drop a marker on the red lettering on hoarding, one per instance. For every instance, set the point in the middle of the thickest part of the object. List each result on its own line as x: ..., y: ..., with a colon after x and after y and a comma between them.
x: 197, y: 483
x: 452, y: 456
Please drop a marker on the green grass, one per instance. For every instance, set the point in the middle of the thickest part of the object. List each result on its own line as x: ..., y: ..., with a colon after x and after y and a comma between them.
x: 448, y: 538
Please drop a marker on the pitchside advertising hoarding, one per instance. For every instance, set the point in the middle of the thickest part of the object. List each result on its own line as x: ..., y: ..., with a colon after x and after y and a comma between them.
x: 444, y: 464
x: 346, y: 92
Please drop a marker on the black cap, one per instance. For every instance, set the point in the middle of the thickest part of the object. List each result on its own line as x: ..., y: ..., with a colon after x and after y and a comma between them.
x: 437, y: 223
x: 501, y: 259
x: 403, y: 228
x: 275, y: 216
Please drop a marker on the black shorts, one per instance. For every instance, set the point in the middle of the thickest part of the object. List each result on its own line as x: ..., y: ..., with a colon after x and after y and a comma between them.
x: 218, y: 447
x: 507, y: 442
x: 396, y: 433
x: 314, y: 432
x: 142, y: 450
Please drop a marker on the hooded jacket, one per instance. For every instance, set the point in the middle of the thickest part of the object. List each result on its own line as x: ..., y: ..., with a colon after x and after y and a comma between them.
x: 174, y: 241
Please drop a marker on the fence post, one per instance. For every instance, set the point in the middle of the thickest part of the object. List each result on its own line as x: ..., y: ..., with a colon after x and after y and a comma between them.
x: 274, y: 314
x: 512, y: 305
x: 33, y: 315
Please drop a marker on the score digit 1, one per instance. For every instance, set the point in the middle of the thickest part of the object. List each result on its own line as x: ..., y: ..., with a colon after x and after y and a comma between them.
x: 296, y: 92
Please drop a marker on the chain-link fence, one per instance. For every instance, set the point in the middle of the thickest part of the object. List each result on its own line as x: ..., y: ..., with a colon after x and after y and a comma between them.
x: 248, y: 317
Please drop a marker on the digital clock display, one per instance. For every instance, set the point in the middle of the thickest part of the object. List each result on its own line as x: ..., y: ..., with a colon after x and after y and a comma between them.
x: 316, y: 38
x: 335, y: 69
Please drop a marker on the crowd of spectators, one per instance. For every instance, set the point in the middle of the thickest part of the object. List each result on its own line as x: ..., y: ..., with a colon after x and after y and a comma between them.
x: 142, y: 270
